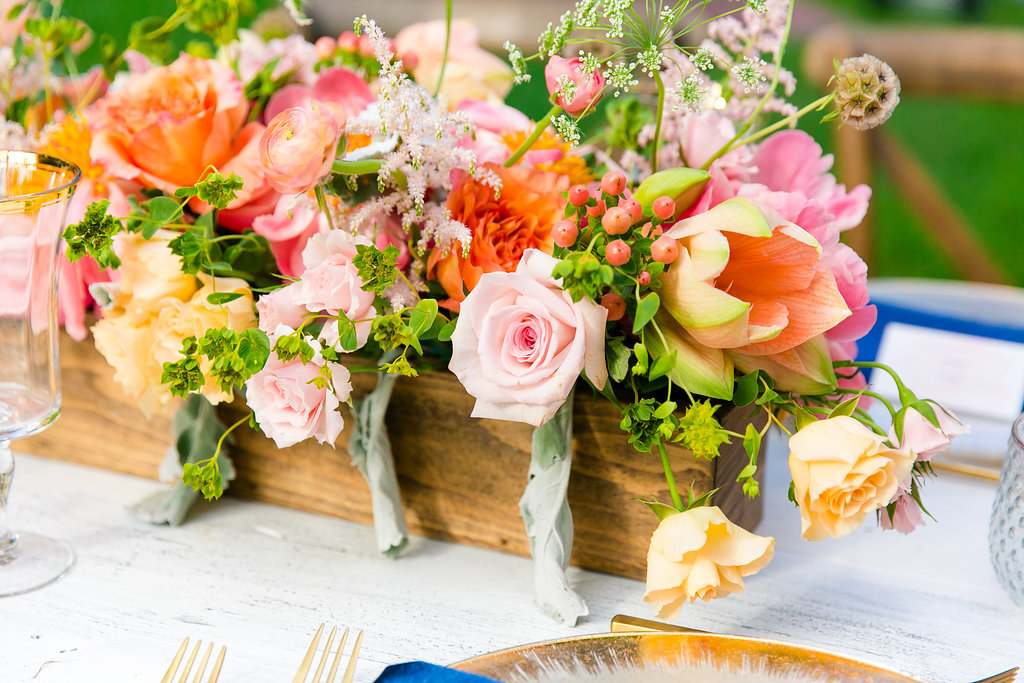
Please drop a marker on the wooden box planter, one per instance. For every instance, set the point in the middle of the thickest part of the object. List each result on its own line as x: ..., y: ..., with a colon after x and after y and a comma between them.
x: 461, y: 478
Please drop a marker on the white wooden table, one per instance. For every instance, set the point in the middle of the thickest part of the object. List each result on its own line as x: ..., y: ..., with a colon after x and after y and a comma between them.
x: 259, y: 579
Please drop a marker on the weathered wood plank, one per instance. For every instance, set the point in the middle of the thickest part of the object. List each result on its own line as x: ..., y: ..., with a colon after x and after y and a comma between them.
x: 461, y: 478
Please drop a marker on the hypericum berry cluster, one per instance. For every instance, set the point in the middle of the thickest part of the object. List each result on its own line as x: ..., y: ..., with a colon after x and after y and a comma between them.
x: 613, y: 242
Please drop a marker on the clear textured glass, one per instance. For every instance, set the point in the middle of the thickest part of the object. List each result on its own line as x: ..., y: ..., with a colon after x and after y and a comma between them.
x: 1006, y: 533
x: 34, y: 195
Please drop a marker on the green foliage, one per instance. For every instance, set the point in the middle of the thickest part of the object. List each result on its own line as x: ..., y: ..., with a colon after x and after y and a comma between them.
x: 294, y: 345
x: 377, y: 269
x: 233, y: 358
x: 700, y: 431
x: 626, y: 117
x: 215, y: 18
x: 583, y: 275
x: 215, y: 189
x: 94, y: 235
x: 56, y: 33
x: 649, y: 423
x: 200, y: 446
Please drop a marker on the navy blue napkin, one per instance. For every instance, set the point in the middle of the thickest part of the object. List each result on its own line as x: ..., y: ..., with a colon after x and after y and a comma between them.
x: 427, y: 673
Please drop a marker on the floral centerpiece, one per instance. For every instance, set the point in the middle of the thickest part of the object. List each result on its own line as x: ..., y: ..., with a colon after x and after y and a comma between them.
x: 257, y: 213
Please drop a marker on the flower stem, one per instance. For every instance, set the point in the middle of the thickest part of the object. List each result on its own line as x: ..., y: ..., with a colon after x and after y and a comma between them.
x: 677, y: 502
x: 534, y: 136
x: 657, y: 121
x: 321, y: 200
x: 816, y: 104
x: 447, y: 41
x: 764, y: 99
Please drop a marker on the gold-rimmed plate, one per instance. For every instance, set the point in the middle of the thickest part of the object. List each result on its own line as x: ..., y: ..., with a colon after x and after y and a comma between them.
x: 676, y: 657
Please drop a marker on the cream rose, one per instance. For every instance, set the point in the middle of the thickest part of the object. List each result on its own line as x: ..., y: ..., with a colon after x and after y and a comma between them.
x: 842, y: 471
x: 701, y: 554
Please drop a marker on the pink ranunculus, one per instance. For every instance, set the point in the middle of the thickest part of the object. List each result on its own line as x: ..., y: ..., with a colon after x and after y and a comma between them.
x: 281, y: 307
x: 299, y: 146
x: 907, y: 515
x: 338, y: 87
x: 924, y: 438
x: 331, y: 281
x: 792, y: 161
x: 520, y: 342
x: 288, y: 230
x: 588, y: 85
x: 290, y: 407
x: 702, y: 134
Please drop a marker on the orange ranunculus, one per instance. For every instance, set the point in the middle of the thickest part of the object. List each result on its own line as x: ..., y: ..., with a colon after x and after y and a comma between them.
x: 167, y: 125
x: 520, y: 218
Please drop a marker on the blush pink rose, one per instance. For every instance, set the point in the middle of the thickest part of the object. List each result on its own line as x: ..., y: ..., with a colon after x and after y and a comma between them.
x: 520, y: 342
x: 281, y: 307
x: 290, y: 407
x: 299, y: 146
x: 908, y: 514
x: 340, y: 87
x: 924, y: 438
x: 288, y: 230
x: 588, y: 85
x: 331, y: 282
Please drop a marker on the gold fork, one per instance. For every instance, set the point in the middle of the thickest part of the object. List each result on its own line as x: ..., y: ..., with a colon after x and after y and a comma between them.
x: 350, y: 670
x: 1007, y: 676
x: 172, y: 670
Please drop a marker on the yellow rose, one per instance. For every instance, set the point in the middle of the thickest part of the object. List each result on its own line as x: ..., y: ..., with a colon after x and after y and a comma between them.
x: 129, y: 344
x: 149, y: 272
x: 841, y: 472
x: 700, y: 554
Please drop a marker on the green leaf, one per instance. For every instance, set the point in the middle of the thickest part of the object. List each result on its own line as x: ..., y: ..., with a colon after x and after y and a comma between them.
x: 219, y: 298
x: 422, y: 317
x: 645, y: 310
x: 746, y: 473
x: 445, y: 335
x: 254, y: 349
x: 803, y: 418
x: 661, y: 510
x: 747, y: 389
x: 162, y: 210
x: 846, y: 408
x: 617, y: 356
x: 642, y: 359
x: 347, y: 333
x: 662, y: 365
x: 752, y: 441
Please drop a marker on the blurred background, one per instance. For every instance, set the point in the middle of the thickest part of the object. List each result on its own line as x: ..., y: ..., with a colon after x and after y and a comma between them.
x: 947, y: 170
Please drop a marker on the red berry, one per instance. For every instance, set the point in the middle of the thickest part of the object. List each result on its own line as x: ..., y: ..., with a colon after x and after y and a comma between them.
x: 616, y: 221
x: 658, y: 231
x: 665, y: 249
x: 664, y: 207
x: 617, y: 252
x: 578, y: 195
x: 615, y: 305
x: 596, y: 210
x: 613, y: 183
x: 644, y: 278
x: 633, y: 208
x: 564, y: 233
x: 646, y: 229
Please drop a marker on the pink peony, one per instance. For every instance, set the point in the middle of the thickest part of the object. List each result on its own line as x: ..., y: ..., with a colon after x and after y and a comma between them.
x: 339, y: 87
x: 331, y: 281
x: 924, y: 438
x: 520, y: 342
x: 792, y: 161
x: 288, y: 230
x: 290, y: 407
x: 299, y: 146
x: 588, y: 85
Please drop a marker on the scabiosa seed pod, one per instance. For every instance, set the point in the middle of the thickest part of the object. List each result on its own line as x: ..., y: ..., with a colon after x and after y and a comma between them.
x: 866, y: 91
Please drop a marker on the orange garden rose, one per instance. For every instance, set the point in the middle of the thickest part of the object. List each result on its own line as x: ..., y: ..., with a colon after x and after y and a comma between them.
x: 503, y: 228
x: 169, y: 124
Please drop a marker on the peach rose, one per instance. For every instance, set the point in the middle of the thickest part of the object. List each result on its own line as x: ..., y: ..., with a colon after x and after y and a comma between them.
x: 168, y: 124
x: 842, y: 471
x: 299, y: 146
x: 471, y: 73
x: 520, y: 218
x: 152, y: 309
x: 699, y: 553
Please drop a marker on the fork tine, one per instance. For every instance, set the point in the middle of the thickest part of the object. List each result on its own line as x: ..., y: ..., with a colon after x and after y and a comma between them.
x: 215, y: 674
x: 300, y: 676
x: 337, y: 658
x: 188, y: 664
x: 350, y: 671
x: 175, y: 662
x: 323, y: 659
x: 202, y: 664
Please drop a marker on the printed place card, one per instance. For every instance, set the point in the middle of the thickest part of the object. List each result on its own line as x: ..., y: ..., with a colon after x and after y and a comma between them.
x: 971, y: 375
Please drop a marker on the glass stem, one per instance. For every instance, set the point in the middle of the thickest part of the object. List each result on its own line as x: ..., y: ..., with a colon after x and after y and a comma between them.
x: 8, y: 539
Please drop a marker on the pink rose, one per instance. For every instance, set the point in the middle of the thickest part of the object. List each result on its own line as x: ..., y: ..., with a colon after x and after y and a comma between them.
x: 299, y: 146
x: 281, y: 307
x: 588, y: 85
x: 331, y: 281
x: 288, y: 230
x: 520, y: 342
x: 337, y: 86
x: 290, y: 407
x: 924, y: 438
x: 907, y: 515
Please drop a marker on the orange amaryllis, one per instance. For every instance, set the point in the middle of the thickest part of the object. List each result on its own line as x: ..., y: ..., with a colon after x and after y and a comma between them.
x: 503, y: 227
x: 749, y: 281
